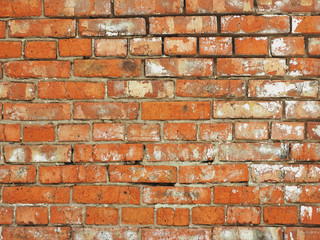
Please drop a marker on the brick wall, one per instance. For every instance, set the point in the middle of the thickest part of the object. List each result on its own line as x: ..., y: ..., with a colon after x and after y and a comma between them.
x: 159, y: 119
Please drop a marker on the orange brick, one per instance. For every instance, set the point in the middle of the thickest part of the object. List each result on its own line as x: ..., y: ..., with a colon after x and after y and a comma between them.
x: 280, y: 215
x: 17, y: 174
x: 65, y: 215
x: 21, y: 8
x: 143, y: 132
x: 146, y: 46
x: 73, y: 132
x: 6, y: 215
x: 10, y: 49
x: 251, y: 130
x: 313, y: 46
x: 292, y: 6
x: 40, y: 49
x: 208, y: 215
x: 108, y: 131
x: 215, y: 45
x: 219, y: 6
x: 2, y: 29
x: 304, y: 67
x: 173, y: 217
x: 180, y: 46
x: 243, y: 215
x: 180, y: 131
x: 111, y: 47
x: 74, y: 47
x: 102, y: 216
x: 83, y: 153
x: 251, y: 46
x: 39, y: 133
x: 305, y: 24
x: 305, y: 151
x: 120, y: 152
x: 9, y: 132
x: 137, y: 216
x: 32, y: 215
x: 215, y: 131
x: 17, y: 91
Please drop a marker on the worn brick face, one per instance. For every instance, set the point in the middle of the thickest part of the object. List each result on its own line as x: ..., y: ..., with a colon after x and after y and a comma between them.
x: 159, y: 119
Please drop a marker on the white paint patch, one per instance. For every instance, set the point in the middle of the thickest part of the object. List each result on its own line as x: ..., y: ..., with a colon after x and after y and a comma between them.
x: 316, y: 130
x: 306, y: 212
x: 103, y: 235
x: 295, y: 23
x: 292, y: 193
x: 18, y: 155
x: 279, y: 47
x: 156, y: 69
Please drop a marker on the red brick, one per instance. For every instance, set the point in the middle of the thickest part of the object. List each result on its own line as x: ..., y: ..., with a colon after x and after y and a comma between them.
x: 37, y: 69
x: 21, y: 8
x: 111, y: 47
x: 137, y: 216
x: 116, y: 233
x: 313, y: 46
x: 208, y: 215
x: 313, y: 130
x: 180, y: 152
x: 253, y: 151
x: 215, y: 131
x: 34, y: 111
x: 305, y: 151
x: 6, y: 215
x: 73, y: 132
x: 74, y: 47
x: 305, y: 24
x: 173, y: 217
x: 146, y: 46
x: 211, y: 88
x: 146, y: 7
x: 183, y: 25
x: 303, y: 233
x: 71, y: 90
x: 107, y: 68
x: 302, y: 194
x: 251, y: 66
x: 42, y: 28
x: 287, y: 46
x: 22, y: 233
x: 180, y: 46
x: 36, y: 194
x: 83, y: 153
x: 175, y: 110
x: 243, y: 215
x: 176, y: 195
x: 255, y: 24
x: 40, y: 49
x: 280, y: 215
x: 199, y: 233
x: 141, y: 89
x: 282, y: 88
x: 302, y: 109
x: 254, y: 232
x: 17, y: 174
x: 145, y: 174
x: 219, y: 6
x: 292, y: 6
x: 287, y: 130
x: 110, y: 111
x: 106, y: 194
x: 38, y: 133
x: 143, y: 132
x: 187, y: 67
x: 102, y: 216
x: 213, y: 173
x: 251, y: 130
x: 112, y: 27
x: 31, y: 215
x: 180, y: 131
x: 247, y: 109
x: 77, y: 8
x: 304, y: 67
x: 310, y: 215
x: 17, y: 91
x: 9, y: 132
x: 37, y: 153
x: 247, y: 195
x: 215, y: 45
x: 108, y: 132
x: 118, y: 152
x: 73, y: 174
x: 251, y: 46
x: 65, y: 215
x: 10, y: 49
x: 2, y: 29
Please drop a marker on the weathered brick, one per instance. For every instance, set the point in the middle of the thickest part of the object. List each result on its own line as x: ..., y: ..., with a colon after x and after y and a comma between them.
x: 118, y: 152
x: 251, y: 130
x: 112, y: 27
x: 143, y: 132
x: 313, y: 130
x: 305, y: 24
x: 215, y: 131
x: 6, y: 215
x: 224, y: 233
x: 77, y: 8
x: 310, y: 215
x: 17, y: 174
x: 32, y: 215
x: 218, y: 6
x: 114, y: 232
x: 40, y: 49
x: 302, y: 109
x: 58, y: 28
x: 180, y: 46
x: 111, y: 47
x: 293, y: 233
x: 183, y: 25
x: 287, y: 130
x: 287, y: 46
x: 313, y: 46
x: 304, y: 67
x: 292, y: 6
x: 65, y: 215
x: 21, y: 233
x: 302, y: 194
x: 83, y: 153
x: 180, y: 131
x: 108, y: 132
x: 146, y: 46
x: 198, y: 233
x: 73, y: 132
x: 175, y: 110
x: 215, y: 45
x: 17, y: 91
x: 243, y: 215
x: 305, y: 151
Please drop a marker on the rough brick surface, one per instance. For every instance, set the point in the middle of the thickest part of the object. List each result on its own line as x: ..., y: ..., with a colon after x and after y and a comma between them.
x: 159, y: 119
